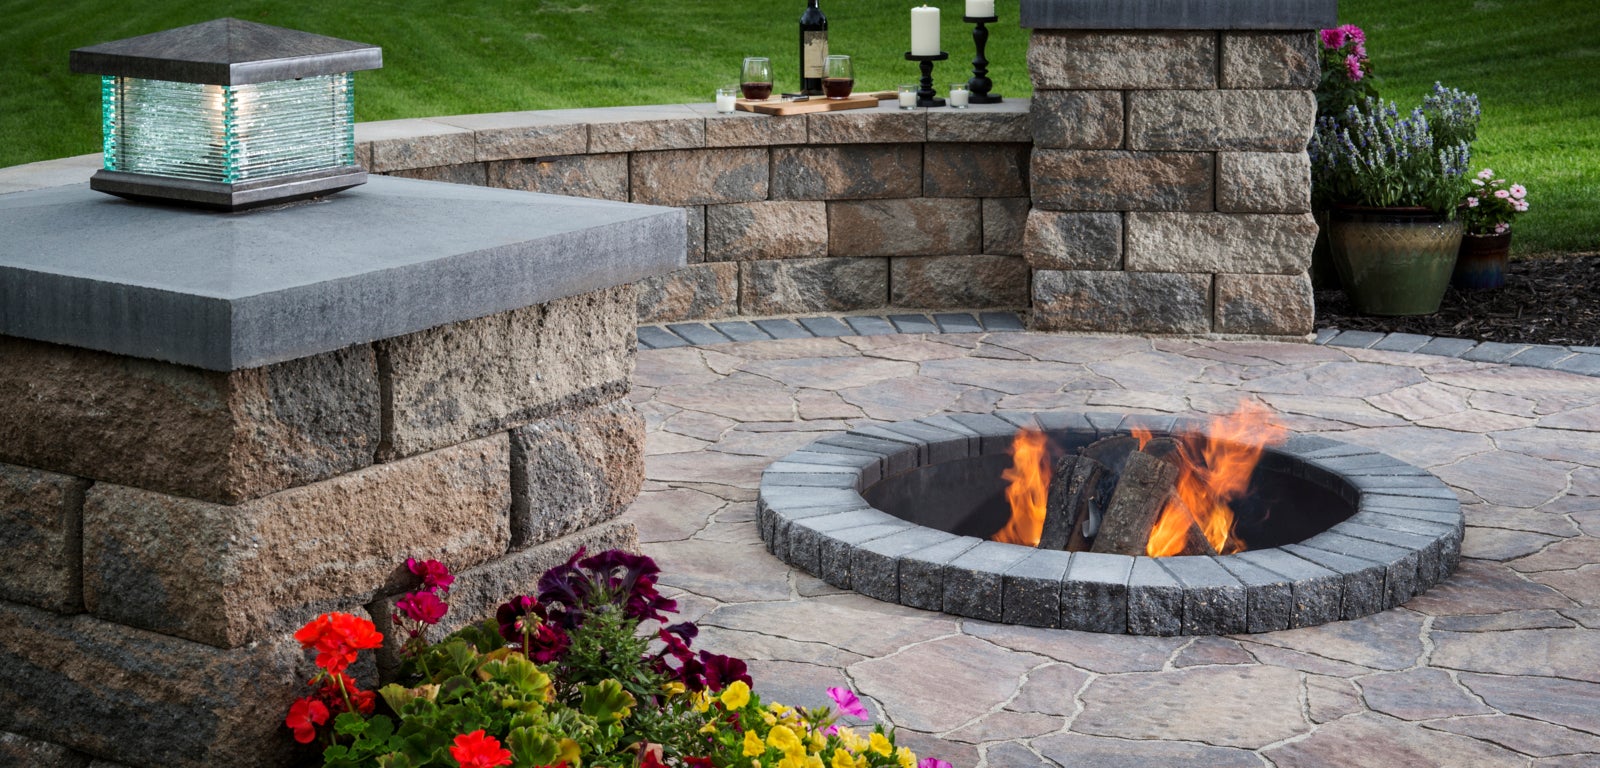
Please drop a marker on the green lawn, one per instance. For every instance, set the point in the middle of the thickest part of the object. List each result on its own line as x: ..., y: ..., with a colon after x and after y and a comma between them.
x: 1534, y: 63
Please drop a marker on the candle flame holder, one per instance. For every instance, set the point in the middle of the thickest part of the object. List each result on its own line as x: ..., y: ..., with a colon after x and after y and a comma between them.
x: 926, y: 95
x: 980, y: 83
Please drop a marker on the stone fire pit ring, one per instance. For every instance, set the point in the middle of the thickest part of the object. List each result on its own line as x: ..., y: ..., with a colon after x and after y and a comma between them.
x: 1403, y: 537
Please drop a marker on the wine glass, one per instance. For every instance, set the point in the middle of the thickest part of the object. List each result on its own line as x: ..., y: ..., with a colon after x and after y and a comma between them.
x: 838, y: 77
x: 756, y: 78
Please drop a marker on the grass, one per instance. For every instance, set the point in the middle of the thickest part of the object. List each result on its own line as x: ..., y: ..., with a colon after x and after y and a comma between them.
x: 1533, y: 64
x: 1531, y: 61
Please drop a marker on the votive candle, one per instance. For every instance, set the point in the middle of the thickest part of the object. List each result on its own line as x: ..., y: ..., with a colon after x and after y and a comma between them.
x: 958, y: 95
x: 925, y: 31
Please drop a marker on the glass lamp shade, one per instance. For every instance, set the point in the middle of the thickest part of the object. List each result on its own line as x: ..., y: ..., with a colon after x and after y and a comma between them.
x: 228, y: 134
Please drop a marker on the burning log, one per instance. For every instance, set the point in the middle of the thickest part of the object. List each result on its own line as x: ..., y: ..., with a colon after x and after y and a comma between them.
x: 1060, y: 516
x: 1142, y: 492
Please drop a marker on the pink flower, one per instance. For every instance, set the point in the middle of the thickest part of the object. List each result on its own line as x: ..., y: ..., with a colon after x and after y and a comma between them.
x: 1486, y: 174
x: 435, y: 576
x: 1501, y: 228
x: 1352, y: 64
x: 1519, y: 205
x: 1333, y: 38
x: 1472, y: 202
x: 848, y: 702
x: 1354, y: 32
x: 933, y: 762
x: 1361, y: 50
x: 1518, y: 191
x: 425, y: 607
x: 1502, y: 194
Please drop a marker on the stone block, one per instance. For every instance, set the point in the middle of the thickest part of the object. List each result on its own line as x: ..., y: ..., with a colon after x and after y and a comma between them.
x: 598, y: 176
x: 776, y: 229
x: 1178, y: 14
x: 801, y: 286
x: 1094, y: 593
x: 875, y: 566
x: 1246, y: 121
x: 1253, y: 243
x: 849, y: 172
x: 1077, y: 119
x: 1264, y: 182
x: 1004, y: 221
x: 1269, y: 597
x: 1316, y: 592
x: 1121, y: 302
x: 867, y: 126
x: 1055, y: 240
x: 144, y: 698
x: 1007, y: 121
x: 695, y: 245
x: 415, y: 143
x: 905, y: 227
x: 922, y: 572
x: 523, y: 135
x: 696, y: 292
x: 1032, y: 589
x: 1214, y: 602
x: 41, y: 534
x: 1155, y: 600
x: 1270, y: 60
x: 1362, y: 591
x: 1269, y: 305
x: 747, y: 129
x: 659, y: 129
x: 1071, y: 180
x: 975, y: 170
x: 478, y: 377
x: 958, y: 282
x: 1113, y: 60
x: 17, y: 750
x: 222, y: 437
x: 974, y: 582
x: 227, y: 576
x: 699, y: 176
x: 574, y: 470
x: 476, y: 174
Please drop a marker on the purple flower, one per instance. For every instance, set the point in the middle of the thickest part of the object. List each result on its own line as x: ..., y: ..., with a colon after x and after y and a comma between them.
x: 933, y: 762
x: 435, y: 576
x: 423, y: 607
x: 721, y: 670
x: 848, y: 702
x: 1333, y: 39
x: 1354, y: 32
x: 1352, y: 65
x: 513, y: 613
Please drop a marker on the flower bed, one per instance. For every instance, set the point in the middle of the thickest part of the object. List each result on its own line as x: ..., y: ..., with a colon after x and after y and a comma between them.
x: 586, y: 673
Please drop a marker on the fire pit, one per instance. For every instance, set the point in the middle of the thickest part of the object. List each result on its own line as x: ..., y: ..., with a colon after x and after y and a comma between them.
x: 905, y: 512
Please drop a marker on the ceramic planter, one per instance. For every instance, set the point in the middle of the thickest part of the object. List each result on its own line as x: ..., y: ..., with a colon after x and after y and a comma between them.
x: 1481, y: 263
x: 1393, y: 261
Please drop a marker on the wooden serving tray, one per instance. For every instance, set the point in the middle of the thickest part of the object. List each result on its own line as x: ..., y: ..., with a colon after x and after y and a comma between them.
x: 776, y: 106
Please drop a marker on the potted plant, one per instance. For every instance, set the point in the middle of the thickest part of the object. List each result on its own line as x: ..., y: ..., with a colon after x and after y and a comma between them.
x: 1346, y: 81
x: 1393, y: 181
x: 1486, y: 217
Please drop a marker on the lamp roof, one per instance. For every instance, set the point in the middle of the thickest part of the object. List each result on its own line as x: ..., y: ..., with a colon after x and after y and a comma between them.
x: 226, y: 52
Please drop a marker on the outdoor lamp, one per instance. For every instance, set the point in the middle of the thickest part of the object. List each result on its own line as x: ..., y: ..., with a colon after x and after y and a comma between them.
x: 227, y: 114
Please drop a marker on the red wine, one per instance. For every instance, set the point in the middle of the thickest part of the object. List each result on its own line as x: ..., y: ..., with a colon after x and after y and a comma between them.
x: 837, y: 87
x: 756, y: 90
x: 813, y: 48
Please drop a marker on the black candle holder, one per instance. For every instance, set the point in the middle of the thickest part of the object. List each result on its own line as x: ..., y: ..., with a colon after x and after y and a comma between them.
x: 980, y: 83
x: 926, y: 95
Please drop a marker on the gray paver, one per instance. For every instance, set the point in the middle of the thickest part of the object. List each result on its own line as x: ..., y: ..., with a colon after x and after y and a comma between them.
x: 826, y: 326
x: 783, y: 329
x: 1356, y: 339
x: 914, y: 324
x: 1447, y: 347
x: 1492, y: 352
x: 869, y: 325
x: 1585, y: 363
x: 1402, y: 342
x: 957, y: 322
x: 659, y: 338
x: 1325, y: 335
x: 1004, y: 321
x: 698, y: 334
x: 740, y: 330
x: 1540, y: 356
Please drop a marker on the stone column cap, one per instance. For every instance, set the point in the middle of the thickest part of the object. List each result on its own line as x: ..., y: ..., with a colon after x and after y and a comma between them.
x: 1179, y: 14
x: 227, y: 291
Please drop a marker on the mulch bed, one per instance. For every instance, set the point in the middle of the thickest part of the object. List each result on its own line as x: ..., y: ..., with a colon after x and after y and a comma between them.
x: 1546, y: 300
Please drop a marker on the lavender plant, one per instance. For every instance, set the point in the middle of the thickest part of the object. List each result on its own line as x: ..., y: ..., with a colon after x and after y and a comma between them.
x: 1372, y: 155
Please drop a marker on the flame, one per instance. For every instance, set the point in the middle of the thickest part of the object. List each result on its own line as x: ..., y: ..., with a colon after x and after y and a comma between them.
x: 1215, y: 469
x: 1029, y: 488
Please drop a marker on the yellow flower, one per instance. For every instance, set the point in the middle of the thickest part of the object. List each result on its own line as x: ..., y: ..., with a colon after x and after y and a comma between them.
x: 852, y: 740
x: 736, y: 695
x: 816, y: 741
x: 906, y: 757
x: 881, y: 745
x: 753, y: 745
x: 701, y: 700
x: 673, y: 688
x: 710, y: 727
x: 784, y: 740
x: 777, y: 709
x: 842, y: 759
x: 801, y: 760
x: 769, y: 718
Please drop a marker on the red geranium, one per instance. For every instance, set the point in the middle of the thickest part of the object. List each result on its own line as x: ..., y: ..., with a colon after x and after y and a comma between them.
x: 434, y: 574
x: 304, y: 717
x: 338, y: 687
x: 475, y: 750
x: 422, y: 607
x: 337, y: 638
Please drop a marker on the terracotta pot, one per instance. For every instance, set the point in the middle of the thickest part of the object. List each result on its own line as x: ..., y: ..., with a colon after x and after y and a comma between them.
x: 1481, y: 263
x: 1393, y: 261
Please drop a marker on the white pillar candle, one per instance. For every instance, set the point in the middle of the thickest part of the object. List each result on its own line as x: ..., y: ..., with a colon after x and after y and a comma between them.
x: 925, y: 31
x: 980, y: 9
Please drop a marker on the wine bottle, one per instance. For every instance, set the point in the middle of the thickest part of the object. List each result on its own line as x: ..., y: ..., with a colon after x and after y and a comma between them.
x: 813, y: 48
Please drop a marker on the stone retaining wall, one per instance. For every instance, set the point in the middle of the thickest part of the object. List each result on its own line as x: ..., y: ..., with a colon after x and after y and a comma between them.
x: 827, y: 212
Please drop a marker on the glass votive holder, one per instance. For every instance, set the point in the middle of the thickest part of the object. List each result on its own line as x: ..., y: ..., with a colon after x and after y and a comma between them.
x: 958, y: 95
x: 727, y: 97
x: 908, y: 95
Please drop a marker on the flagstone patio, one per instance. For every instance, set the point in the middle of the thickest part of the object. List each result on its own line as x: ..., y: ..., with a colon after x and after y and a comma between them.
x: 1497, y: 666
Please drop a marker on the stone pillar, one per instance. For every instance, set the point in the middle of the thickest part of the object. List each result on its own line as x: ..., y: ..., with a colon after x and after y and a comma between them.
x: 310, y: 396
x: 1170, y: 183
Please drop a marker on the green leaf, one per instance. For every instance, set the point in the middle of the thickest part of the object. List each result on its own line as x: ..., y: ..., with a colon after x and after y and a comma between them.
x: 532, y: 747
x: 349, y: 724
x: 606, y: 701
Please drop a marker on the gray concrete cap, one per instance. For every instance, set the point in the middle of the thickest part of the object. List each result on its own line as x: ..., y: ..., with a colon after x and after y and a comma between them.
x: 228, y: 291
x: 226, y: 52
x: 1179, y: 14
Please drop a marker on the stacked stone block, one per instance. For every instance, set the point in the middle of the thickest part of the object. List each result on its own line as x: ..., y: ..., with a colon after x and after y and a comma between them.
x: 828, y: 212
x: 1170, y: 184
x: 169, y: 528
